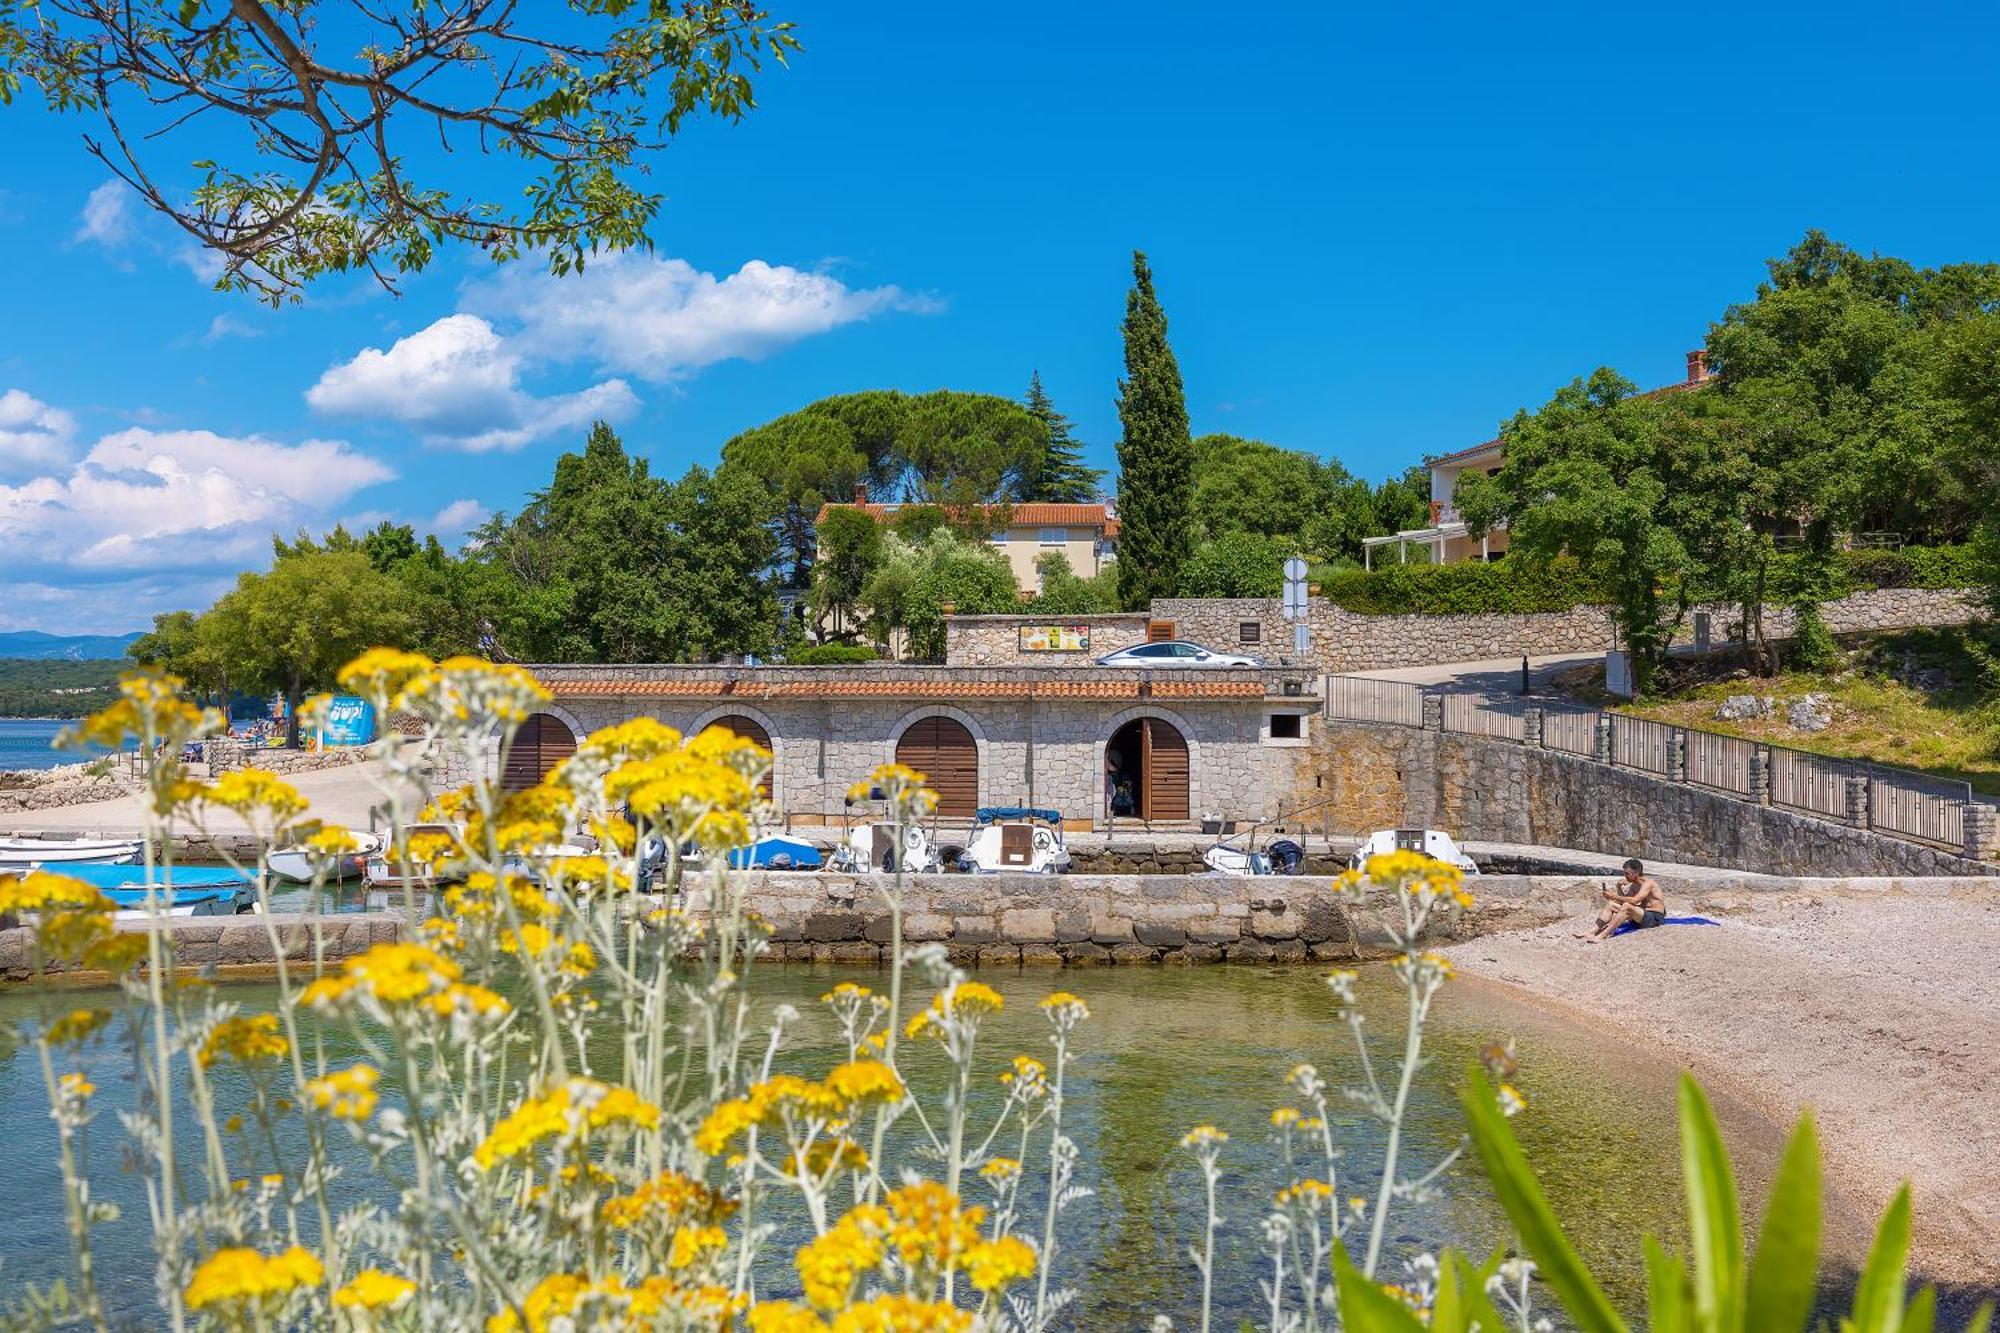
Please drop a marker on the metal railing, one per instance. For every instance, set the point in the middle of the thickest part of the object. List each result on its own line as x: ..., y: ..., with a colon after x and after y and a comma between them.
x: 1362, y: 700
x: 1901, y: 803
x: 1484, y: 715
x: 1642, y: 744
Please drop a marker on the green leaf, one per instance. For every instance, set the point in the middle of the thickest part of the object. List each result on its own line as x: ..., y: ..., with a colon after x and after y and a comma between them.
x: 1448, y: 1313
x: 1480, y: 1312
x: 1785, y: 1267
x: 1922, y: 1314
x: 1365, y: 1307
x: 1878, y: 1297
x: 1715, y: 1228
x: 1666, y: 1291
x: 1521, y: 1195
x: 1982, y: 1322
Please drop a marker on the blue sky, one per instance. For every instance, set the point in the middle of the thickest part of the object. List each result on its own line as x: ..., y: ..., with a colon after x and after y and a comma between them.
x: 1377, y: 232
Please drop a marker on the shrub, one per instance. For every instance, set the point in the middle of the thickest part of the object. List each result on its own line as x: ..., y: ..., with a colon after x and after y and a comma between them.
x: 833, y: 654
x: 1911, y: 567
x: 1237, y: 564
x: 1505, y: 586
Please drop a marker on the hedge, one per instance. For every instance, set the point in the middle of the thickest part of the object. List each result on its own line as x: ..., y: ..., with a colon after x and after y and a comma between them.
x: 1519, y: 586
x: 1505, y: 586
x: 833, y: 654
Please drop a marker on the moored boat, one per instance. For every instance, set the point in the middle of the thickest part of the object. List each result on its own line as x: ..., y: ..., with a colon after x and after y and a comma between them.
x: 1434, y: 843
x: 26, y: 853
x: 176, y: 890
x: 298, y: 864
x: 384, y: 872
x: 1281, y: 856
x: 1015, y: 840
x: 871, y: 848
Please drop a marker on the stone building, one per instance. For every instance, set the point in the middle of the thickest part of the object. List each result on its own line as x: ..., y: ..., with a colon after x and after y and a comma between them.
x: 1184, y: 744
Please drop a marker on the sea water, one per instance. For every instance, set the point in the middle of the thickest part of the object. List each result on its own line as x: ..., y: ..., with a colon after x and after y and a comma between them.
x: 28, y: 742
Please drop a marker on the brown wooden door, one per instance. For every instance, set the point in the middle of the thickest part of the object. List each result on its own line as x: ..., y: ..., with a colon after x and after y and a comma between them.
x: 944, y: 752
x: 1159, y: 631
x: 542, y: 742
x: 1164, y: 762
x: 750, y: 730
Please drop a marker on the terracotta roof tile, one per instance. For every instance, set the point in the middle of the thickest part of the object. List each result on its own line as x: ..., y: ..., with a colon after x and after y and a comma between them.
x: 1026, y: 514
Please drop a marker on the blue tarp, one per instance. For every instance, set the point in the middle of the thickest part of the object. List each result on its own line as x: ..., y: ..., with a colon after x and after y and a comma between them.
x: 988, y: 814
x: 173, y: 897
x: 111, y: 878
x: 765, y: 853
x: 1628, y: 927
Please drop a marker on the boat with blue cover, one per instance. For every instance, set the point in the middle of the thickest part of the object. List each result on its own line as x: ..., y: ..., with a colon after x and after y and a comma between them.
x: 1015, y: 839
x: 776, y: 852
x: 184, y: 890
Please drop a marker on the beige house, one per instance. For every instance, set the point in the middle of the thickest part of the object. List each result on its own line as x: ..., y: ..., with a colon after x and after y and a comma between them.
x: 1085, y: 533
x: 1446, y: 540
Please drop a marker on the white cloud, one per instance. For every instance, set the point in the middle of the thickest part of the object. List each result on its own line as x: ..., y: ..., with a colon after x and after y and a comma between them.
x: 107, y: 216
x: 457, y: 383
x: 160, y: 502
x: 456, y: 517
x: 228, y: 326
x: 663, y: 319
x: 33, y: 435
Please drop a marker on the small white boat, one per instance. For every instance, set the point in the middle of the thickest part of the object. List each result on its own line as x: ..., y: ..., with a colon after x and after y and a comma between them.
x: 1430, y: 842
x: 871, y: 848
x: 1281, y: 856
x: 26, y: 853
x: 1015, y: 840
x: 382, y: 873
x: 298, y: 864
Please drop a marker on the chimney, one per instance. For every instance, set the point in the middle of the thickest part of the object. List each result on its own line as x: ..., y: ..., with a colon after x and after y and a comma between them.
x: 1697, y: 365
x: 861, y: 487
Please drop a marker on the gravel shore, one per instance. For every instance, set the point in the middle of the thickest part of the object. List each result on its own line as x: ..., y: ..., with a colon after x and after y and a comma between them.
x: 1878, y: 1013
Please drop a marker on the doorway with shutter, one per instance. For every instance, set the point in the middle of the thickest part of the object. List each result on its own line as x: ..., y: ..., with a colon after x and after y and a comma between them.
x: 750, y: 729
x: 542, y: 742
x: 945, y: 753
x: 1146, y: 772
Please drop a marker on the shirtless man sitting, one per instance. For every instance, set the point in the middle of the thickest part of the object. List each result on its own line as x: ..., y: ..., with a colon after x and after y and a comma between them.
x: 1635, y: 898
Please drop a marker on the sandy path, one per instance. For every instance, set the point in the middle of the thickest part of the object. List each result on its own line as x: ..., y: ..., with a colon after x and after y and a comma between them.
x: 1881, y: 1014
x: 341, y: 795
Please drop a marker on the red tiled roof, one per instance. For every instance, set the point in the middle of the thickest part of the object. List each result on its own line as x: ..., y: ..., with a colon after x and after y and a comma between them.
x: 851, y: 687
x: 1025, y: 514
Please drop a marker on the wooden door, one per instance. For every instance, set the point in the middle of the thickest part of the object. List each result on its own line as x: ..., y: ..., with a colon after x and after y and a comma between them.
x: 542, y: 742
x: 1159, y: 631
x: 1164, y: 762
x: 945, y: 753
x: 750, y: 730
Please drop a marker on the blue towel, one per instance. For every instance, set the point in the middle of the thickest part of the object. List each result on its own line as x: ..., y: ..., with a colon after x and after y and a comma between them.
x: 1670, y: 921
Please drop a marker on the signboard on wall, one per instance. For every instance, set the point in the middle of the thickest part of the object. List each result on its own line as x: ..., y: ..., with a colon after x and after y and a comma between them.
x: 1055, y: 638
x: 349, y: 721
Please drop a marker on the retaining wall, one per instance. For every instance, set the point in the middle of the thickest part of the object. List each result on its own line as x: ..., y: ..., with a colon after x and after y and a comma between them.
x: 1378, y: 776
x: 236, y: 941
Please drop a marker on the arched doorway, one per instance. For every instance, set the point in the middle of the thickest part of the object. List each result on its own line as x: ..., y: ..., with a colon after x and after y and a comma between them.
x: 542, y: 742
x: 943, y: 751
x: 750, y: 729
x: 1146, y: 767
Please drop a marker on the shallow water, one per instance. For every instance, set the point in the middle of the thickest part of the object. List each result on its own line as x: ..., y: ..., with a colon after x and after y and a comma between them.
x: 1166, y: 1048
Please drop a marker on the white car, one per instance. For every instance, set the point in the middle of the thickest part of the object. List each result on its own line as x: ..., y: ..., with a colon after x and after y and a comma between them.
x: 1174, y: 653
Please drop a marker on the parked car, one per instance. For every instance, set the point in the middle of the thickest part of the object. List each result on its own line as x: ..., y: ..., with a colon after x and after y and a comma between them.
x: 1174, y: 653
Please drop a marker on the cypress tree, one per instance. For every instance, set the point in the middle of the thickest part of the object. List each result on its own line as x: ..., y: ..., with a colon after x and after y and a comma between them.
x: 1062, y: 479
x: 1156, y: 455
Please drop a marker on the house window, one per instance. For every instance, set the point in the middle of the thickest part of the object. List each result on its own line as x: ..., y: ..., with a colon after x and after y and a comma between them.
x: 1250, y: 631
x: 1055, y: 536
x: 1287, y: 727
x: 999, y: 538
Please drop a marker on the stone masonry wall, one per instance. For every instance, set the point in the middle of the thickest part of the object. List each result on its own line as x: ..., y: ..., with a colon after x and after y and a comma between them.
x: 239, y: 941
x: 1348, y: 641
x: 1049, y: 753
x: 1081, y: 920
x: 1379, y: 776
x: 996, y: 640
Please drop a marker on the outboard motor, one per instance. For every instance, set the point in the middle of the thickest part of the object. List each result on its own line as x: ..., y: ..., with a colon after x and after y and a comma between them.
x: 1285, y: 856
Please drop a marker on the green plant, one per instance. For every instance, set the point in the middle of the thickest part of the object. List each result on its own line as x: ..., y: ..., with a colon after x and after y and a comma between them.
x: 1506, y: 586
x: 1812, y: 647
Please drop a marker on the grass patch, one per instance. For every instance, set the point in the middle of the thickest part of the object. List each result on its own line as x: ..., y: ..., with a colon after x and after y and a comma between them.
x: 1922, y: 699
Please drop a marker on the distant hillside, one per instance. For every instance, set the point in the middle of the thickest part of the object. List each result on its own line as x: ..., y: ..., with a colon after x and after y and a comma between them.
x: 34, y: 644
x: 54, y: 687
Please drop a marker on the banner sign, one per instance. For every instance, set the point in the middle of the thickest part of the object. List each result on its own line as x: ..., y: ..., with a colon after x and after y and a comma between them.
x: 1055, y: 638
x: 349, y: 721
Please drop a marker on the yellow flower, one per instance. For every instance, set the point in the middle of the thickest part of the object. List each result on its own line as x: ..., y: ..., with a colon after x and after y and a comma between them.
x: 1284, y: 1117
x: 42, y: 890
x: 899, y: 785
x: 76, y: 1025
x: 830, y: 1265
x: 1061, y: 1004
x: 930, y: 1227
x: 380, y: 672
x: 373, y: 1289
x: 865, y: 1081
x: 1305, y: 1191
x: 846, y: 991
x: 1001, y: 1170
x: 347, y: 1094
x: 903, y: 1314
x: 394, y: 974
x: 693, y: 1244
x: 248, y: 1041
x: 968, y: 999
x: 668, y: 1198
x: 332, y: 840
x: 1511, y: 1100
x: 1204, y: 1137
x: 240, y: 1274
x: 571, y: 1109
x: 74, y: 1087
x: 993, y: 1264
x: 253, y: 791
x: 784, y: 1317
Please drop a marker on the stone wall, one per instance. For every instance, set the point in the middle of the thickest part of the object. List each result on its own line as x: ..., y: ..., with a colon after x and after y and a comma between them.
x: 238, y: 941
x: 1082, y: 920
x: 1039, y: 752
x: 996, y: 640
x: 1345, y: 640
x: 1380, y: 776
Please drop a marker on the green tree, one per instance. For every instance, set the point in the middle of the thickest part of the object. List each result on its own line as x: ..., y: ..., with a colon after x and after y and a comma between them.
x: 967, y: 448
x: 1249, y: 486
x: 313, y: 124
x: 175, y: 644
x: 612, y: 564
x: 916, y: 579
x: 850, y: 547
x: 1062, y: 478
x: 290, y: 630
x: 1155, y: 454
x: 1064, y: 592
x: 1236, y: 564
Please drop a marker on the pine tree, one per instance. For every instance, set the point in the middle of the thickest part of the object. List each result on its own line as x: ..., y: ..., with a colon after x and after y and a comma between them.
x: 1156, y: 455
x: 1062, y: 478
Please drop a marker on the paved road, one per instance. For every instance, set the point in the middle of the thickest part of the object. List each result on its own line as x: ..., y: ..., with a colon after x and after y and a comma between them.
x: 338, y: 795
x: 1494, y: 675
